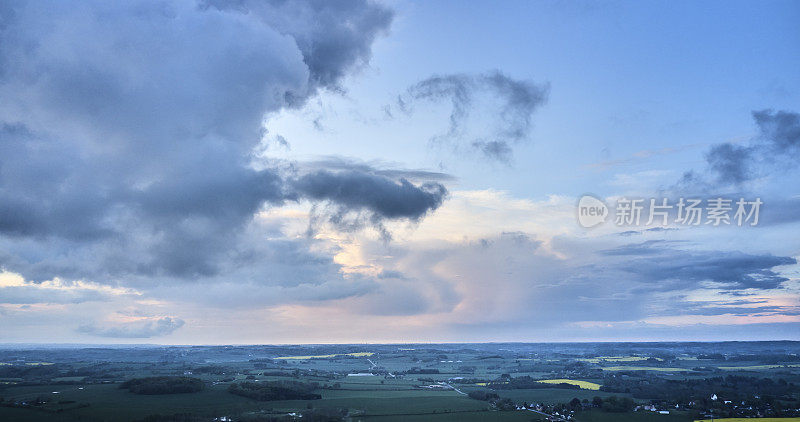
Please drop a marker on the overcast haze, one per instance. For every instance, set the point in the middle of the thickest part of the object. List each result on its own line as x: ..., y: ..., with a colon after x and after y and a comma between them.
x: 339, y: 172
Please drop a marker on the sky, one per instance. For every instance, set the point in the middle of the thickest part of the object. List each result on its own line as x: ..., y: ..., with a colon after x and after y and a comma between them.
x: 247, y: 172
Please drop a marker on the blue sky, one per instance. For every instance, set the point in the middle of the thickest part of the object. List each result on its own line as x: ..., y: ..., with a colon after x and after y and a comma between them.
x: 185, y: 172
x: 625, y: 77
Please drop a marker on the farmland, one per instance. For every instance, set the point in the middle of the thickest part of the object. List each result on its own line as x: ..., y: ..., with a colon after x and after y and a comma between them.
x: 644, y: 368
x: 425, y: 382
x: 357, y: 354
x: 586, y: 385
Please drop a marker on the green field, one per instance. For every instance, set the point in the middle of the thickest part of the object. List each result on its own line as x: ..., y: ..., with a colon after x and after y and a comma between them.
x: 598, y: 416
x: 551, y: 395
x: 507, y: 416
x: 106, y: 400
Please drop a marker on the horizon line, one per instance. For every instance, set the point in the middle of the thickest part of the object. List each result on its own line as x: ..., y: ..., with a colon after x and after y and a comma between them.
x: 4, y: 344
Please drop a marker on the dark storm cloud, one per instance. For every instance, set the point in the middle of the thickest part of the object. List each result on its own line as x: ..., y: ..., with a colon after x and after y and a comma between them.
x: 659, y: 262
x: 381, y: 196
x: 518, y: 101
x: 127, y: 132
x: 355, y: 198
x: 146, y: 328
x: 777, y: 146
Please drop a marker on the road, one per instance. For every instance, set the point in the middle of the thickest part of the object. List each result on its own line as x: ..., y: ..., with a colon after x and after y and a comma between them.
x: 555, y: 418
x: 455, y: 389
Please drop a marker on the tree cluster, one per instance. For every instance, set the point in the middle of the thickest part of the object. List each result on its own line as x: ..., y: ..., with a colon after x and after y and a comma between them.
x: 163, y: 385
x: 276, y: 390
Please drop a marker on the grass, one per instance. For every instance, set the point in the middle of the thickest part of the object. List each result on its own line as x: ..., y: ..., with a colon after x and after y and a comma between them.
x: 551, y: 395
x: 509, y: 416
x: 107, y: 400
x: 586, y: 385
x: 600, y: 416
x: 24, y: 415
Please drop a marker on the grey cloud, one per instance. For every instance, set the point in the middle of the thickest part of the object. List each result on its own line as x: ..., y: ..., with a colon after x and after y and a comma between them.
x: 281, y: 141
x: 658, y: 262
x: 650, y: 230
x: 661, y: 229
x: 338, y: 38
x: 145, y: 328
x: 649, y: 247
x: 388, y: 274
x: 383, y: 197
x: 518, y: 99
x: 242, y: 294
x: 731, y: 163
x: 511, y: 278
x: 779, y: 130
x: 400, y: 297
x: 377, y: 168
x: 777, y: 146
x: 740, y: 310
x: 681, y: 305
x: 261, y: 267
x: 267, y: 269
x: 32, y: 294
x: 127, y: 131
x: 498, y: 150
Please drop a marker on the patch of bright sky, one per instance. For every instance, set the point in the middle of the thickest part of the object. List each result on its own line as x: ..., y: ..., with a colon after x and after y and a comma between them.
x: 637, y: 89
